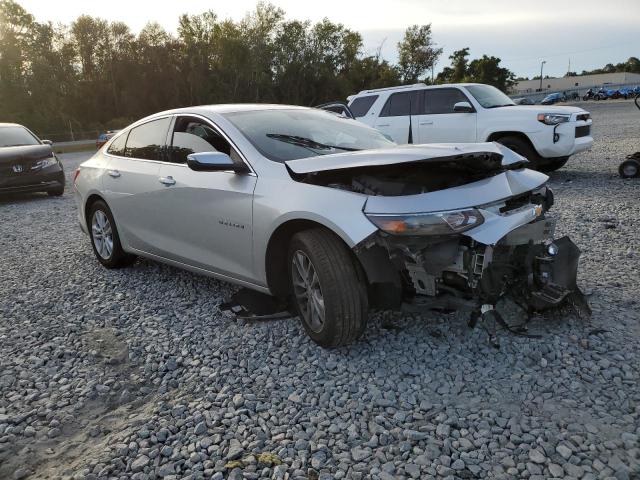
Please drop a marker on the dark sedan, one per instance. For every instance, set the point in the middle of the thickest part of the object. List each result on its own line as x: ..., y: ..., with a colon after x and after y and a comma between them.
x: 28, y: 164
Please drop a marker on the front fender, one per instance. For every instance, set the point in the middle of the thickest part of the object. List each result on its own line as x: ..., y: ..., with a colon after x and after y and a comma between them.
x: 338, y: 210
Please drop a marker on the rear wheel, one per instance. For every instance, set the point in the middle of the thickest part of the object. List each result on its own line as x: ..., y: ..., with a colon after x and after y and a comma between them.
x: 328, y: 288
x: 104, y: 237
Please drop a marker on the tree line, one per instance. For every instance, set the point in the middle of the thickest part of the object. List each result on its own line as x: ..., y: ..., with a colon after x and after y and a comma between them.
x: 94, y: 74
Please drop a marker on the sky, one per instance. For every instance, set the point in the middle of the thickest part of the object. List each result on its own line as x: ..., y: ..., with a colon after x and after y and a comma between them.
x: 586, y: 34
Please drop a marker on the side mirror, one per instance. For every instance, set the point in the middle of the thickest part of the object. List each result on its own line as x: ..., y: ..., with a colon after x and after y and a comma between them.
x: 47, y: 142
x: 212, y: 162
x: 463, y: 107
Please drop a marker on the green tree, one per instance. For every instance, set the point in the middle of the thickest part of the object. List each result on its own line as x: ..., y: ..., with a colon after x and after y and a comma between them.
x: 417, y: 53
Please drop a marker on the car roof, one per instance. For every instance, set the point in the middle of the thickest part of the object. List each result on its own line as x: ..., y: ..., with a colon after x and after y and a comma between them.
x: 11, y: 125
x: 231, y: 108
x: 415, y: 86
x: 220, y: 109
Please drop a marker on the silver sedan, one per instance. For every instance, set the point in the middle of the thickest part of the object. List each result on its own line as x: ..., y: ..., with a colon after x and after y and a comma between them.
x: 325, y: 213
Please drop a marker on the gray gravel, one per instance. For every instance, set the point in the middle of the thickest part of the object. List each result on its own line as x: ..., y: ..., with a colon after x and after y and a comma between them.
x: 137, y: 373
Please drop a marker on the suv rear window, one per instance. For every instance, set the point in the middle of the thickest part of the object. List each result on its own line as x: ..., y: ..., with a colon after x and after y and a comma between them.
x: 147, y: 140
x: 361, y: 105
x: 442, y: 100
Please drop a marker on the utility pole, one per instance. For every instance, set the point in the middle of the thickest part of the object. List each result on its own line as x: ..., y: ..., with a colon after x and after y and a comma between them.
x: 541, y: 65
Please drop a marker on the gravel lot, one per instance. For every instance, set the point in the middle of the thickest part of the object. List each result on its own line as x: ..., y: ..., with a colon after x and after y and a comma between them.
x: 138, y: 374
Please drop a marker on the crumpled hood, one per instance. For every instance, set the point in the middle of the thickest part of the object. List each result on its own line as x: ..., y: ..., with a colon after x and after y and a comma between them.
x: 24, y: 153
x: 482, y: 192
x: 401, y: 154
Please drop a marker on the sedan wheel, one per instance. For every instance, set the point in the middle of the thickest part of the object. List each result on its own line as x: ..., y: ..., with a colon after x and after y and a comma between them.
x: 328, y: 288
x: 307, y: 290
x: 104, y: 237
x: 102, y: 234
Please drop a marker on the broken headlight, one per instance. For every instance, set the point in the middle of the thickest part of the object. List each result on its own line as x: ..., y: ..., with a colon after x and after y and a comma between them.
x: 437, y: 223
x: 553, y: 118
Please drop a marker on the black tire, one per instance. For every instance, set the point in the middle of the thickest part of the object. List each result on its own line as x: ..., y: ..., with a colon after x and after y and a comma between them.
x: 629, y: 169
x: 522, y: 147
x: 117, y: 258
x: 552, y: 165
x: 56, y: 192
x: 341, y: 283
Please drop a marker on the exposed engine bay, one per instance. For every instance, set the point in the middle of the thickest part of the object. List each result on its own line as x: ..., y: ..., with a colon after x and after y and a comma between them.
x: 410, y: 178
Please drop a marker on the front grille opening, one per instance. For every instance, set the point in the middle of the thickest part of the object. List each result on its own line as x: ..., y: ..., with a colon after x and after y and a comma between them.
x: 583, y: 131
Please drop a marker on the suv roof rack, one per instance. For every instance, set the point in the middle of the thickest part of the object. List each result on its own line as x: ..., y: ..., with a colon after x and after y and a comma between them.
x: 400, y: 87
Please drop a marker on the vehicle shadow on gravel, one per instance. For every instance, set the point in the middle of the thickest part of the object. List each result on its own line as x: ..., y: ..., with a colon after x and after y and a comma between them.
x: 24, y: 198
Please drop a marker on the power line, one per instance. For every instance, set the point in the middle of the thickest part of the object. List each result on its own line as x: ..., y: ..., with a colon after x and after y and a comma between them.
x: 564, y: 53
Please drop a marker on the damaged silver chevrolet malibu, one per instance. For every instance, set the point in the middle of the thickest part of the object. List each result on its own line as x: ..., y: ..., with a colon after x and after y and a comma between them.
x: 327, y: 214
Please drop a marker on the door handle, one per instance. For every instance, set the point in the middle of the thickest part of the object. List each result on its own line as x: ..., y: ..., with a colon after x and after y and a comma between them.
x: 430, y: 122
x: 114, y: 173
x: 382, y: 125
x: 167, y: 180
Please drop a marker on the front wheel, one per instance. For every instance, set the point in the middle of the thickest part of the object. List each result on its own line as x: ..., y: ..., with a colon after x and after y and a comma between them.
x: 56, y: 192
x: 552, y: 165
x: 328, y: 288
x: 105, y: 239
x: 521, y: 147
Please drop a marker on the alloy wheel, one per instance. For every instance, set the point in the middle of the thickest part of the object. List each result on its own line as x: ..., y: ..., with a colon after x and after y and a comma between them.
x: 308, y: 292
x: 102, y: 234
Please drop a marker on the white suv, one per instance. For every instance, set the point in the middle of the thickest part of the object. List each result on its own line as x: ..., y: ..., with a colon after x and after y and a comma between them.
x: 473, y: 112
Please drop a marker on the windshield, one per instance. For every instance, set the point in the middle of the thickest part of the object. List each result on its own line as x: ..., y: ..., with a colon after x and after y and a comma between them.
x: 489, y: 97
x: 16, y: 136
x: 282, y: 135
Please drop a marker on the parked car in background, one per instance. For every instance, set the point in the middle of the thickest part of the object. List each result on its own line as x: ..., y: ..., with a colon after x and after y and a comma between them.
x: 523, y: 101
x: 472, y: 112
x: 553, y: 98
x: 326, y: 213
x: 28, y: 164
x: 104, y: 137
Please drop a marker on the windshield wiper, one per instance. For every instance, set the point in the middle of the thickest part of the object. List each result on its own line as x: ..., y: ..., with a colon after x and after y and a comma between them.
x: 504, y: 105
x: 307, y: 142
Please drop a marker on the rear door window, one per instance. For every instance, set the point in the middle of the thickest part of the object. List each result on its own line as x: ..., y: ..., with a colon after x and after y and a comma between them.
x: 117, y: 147
x: 402, y: 104
x: 442, y: 100
x: 147, y: 140
x: 361, y: 105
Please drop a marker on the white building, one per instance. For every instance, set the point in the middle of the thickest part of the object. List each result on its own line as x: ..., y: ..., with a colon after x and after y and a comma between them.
x: 581, y: 83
